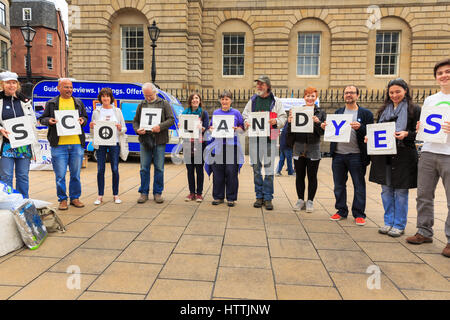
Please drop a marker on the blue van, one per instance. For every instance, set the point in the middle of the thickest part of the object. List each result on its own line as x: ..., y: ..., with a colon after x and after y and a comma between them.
x: 127, y: 96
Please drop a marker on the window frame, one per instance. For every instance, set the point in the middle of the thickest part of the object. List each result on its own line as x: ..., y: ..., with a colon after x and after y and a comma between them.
x: 398, y: 54
x: 51, y: 39
x: 51, y: 63
x: 236, y: 55
x: 311, y: 55
x: 122, y: 49
x: 24, y: 12
x: 2, y: 14
x: 4, y: 55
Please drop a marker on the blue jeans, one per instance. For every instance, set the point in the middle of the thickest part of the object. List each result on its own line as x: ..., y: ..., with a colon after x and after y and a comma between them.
x: 341, y: 165
x: 263, y: 187
x: 285, y: 154
x: 114, y: 152
x: 22, y: 169
x: 156, y: 155
x: 67, y: 155
x: 395, y: 203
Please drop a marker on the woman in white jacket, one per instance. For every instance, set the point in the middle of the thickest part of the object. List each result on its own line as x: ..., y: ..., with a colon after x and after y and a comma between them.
x: 108, y: 112
x: 14, y: 105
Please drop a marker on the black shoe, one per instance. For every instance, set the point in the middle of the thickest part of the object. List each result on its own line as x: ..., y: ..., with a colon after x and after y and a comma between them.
x: 217, y: 202
x: 268, y: 204
x: 258, y: 203
x: 231, y: 203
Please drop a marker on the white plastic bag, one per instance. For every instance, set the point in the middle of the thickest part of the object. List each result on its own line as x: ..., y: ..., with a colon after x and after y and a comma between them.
x: 10, y: 239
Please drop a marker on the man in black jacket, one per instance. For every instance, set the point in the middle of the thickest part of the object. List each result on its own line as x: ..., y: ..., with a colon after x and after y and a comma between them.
x: 66, y: 150
x: 351, y: 157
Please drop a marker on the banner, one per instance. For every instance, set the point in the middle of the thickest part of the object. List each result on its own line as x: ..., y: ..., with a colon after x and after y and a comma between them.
x: 381, y: 139
x: 44, y: 158
x: 105, y: 133
x: 21, y: 132
x: 150, y: 117
x: 222, y: 126
x: 338, y: 128
x: 259, y: 124
x: 189, y: 126
x: 67, y: 124
x: 302, y: 121
x: 431, y: 121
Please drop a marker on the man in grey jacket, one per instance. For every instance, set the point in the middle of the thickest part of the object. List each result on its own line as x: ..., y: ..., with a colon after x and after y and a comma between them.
x: 153, y: 143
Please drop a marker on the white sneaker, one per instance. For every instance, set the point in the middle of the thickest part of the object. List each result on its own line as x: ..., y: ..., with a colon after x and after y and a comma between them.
x: 309, y: 206
x: 98, y: 201
x: 300, y: 205
x: 384, y: 229
x: 117, y: 200
x: 394, y: 232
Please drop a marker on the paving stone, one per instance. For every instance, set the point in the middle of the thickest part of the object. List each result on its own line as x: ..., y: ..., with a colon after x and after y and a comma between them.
x: 81, y: 230
x: 190, y: 267
x: 161, y: 233
x: 124, y: 277
x: 8, y: 291
x: 354, y: 286
x: 242, y: 283
x: 245, y: 237
x: 414, y: 276
x: 359, y: 234
x: 208, y: 215
x: 276, y: 231
x: 177, y: 220
x: 199, y: 244
x: 147, y: 252
x: 165, y: 289
x: 54, y: 247
x: 245, y: 257
x: 300, y: 272
x: 92, y: 295
x: 128, y: 224
x: 292, y: 292
x: 287, y: 248
x: 90, y: 261
x: 437, y: 261
x: 142, y: 213
x: 394, y: 252
x: 100, y: 217
x: 245, y: 223
x: 206, y: 228
x: 345, y: 261
x: 110, y: 240
x: 322, y: 226
x: 284, y: 219
x: 333, y: 241
x: 426, y: 295
x: 55, y: 286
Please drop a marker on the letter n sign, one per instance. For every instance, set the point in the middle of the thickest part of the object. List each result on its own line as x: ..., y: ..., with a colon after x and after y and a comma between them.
x: 381, y: 139
x: 259, y: 124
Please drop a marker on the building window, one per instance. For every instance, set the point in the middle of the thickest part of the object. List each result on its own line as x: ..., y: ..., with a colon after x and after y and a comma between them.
x: 132, y: 47
x: 387, y: 52
x: 4, y: 49
x: 26, y: 14
x: 2, y: 14
x: 233, y: 54
x: 49, y: 39
x: 308, y: 54
x: 50, y: 63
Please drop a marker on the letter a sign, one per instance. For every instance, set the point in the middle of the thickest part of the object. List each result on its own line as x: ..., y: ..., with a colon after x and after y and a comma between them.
x: 431, y: 120
x: 67, y: 124
x: 259, y: 124
x: 381, y: 139
x: 222, y: 126
x: 105, y: 133
x: 21, y: 132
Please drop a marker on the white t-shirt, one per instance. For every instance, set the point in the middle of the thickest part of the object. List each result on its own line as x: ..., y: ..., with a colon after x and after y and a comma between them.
x: 107, y: 115
x: 441, y: 148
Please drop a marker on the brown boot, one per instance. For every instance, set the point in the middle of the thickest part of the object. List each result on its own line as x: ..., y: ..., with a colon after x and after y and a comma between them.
x: 63, y: 205
x: 446, y: 251
x: 158, y: 198
x: 418, y: 239
x: 77, y: 203
x: 143, y: 198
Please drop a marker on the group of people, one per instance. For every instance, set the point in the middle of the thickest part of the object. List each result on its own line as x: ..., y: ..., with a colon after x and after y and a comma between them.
x: 223, y: 157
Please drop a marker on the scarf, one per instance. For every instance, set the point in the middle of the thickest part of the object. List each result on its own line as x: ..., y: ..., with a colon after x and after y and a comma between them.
x: 198, y: 112
x: 399, y: 115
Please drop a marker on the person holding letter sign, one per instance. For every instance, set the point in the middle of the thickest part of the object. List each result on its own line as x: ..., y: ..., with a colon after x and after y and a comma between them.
x: 397, y: 173
x: 152, y: 142
x: 14, y: 105
x: 193, y: 149
x: 224, y: 156
x: 109, y: 113
x: 263, y: 149
x: 351, y: 157
x: 66, y: 150
x: 306, y: 151
x: 434, y: 163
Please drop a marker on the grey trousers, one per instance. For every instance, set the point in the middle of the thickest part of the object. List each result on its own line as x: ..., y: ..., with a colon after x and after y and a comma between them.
x: 432, y: 166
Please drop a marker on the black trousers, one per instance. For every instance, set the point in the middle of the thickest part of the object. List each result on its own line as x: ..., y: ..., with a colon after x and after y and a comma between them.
x: 305, y: 166
x: 192, y: 169
x: 225, y: 175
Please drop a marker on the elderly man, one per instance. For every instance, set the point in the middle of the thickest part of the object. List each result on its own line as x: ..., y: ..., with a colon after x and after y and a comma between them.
x: 263, y: 149
x: 153, y: 143
x: 66, y: 150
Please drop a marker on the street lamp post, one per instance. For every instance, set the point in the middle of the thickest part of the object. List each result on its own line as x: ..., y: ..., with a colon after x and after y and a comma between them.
x: 28, y: 34
x: 154, y: 31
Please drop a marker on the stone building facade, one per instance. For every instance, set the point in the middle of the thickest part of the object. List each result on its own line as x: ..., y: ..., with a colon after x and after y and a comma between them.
x: 212, y: 44
x: 5, y: 36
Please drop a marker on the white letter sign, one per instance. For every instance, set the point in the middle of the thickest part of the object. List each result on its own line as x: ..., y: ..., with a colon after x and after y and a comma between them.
x: 381, y: 139
x: 222, y: 126
x: 302, y: 119
x: 105, y: 133
x: 150, y: 117
x: 21, y: 132
x: 67, y: 124
x: 338, y: 128
x: 431, y: 121
x: 189, y: 126
x: 259, y: 124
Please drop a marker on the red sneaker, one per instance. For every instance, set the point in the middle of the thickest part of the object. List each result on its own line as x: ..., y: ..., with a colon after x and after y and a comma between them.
x: 190, y: 197
x: 199, y: 198
x: 336, y: 217
x: 360, y: 221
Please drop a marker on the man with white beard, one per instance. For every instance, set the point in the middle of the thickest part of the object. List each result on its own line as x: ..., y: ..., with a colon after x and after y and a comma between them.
x: 263, y: 149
